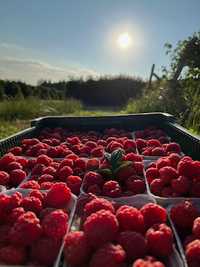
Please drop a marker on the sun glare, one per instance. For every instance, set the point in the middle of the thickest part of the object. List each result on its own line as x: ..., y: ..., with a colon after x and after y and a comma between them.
x: 124, y: 40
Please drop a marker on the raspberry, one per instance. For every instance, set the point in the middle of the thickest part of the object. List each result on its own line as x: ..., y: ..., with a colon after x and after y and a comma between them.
x: 58, y: 196
x: 14, y: 166
x: 30, y: 185
x: 174, y: 159
x: 130, y: 219
x: 92, y: 178
x: 17, y: 176
x: 129, y: 145
x: 38, y: 169
x: 133, y: 157
x: 128, y: 240
x: 153, y: 143
x: 94, y: 189
x: 92, y: 164
x: 44, y: 159
x: 160, y: 240
x: 98, y: 204
x: 54, y: 224
x: 49, y: 170
x: 23, y: 161
x: 184, y: 167
x: 76, y: 244
x: 135, y: 185
x: 162, y: 162
x: 80, y: 163
x: 17, y: 150
x: 6, y: 159
x: 153, y: 214
x: 64, y: 172
x: 26, y: 229
x: 74, y: 183
x: 11, y: 255
x: 15, y: 214
x: 4, y: 202
x: 158, y: 151
x: 141, y: 143
x: 193, y: 253
x: 148, y: 262
x: 139, y: 167
x: 97, y: 151
x: 45, y: 178
x: 32, y: 204
x: 15, y: 200
x: 183, y: 214
x: 4, y: 178
x: 101, y: 227
x: 108, y: 255
x: 173, y: 147
x: 167, y: 174
x: 156, y: 186
x: 196, y: 227
x: 112, y: 189
x: 152, y: 173
x: 188, y: 240
x: 45, y: 250
x: 181, y: 185
x: 46, y: 185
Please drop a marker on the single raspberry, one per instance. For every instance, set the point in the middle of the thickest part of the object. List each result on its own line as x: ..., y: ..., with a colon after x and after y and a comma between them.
x: 14, y: 166
x: 135, y: 185
x: 64, y: 172
x: 158, y: 151
x: 196, y: 227
x: 80, y: 163
x: 10, y: 255
x: 71, y: 156
x: 133, y: 157
x: 94, y: 189
x: 153, y: 143
x: 101, y: 227
x: 4, y: 203
x: 23, y: 161
x: 97, y: 151
x: 4, y: 178
x: 6, y: 159
x: 76, y: 243
x: 193, y: 253
x: 108, y: 255
x: 44, y: 159
x: 15, y: 200
x: 92, y: 164
x: 139, y: 168
x: 74, y: 183
x: 162, y: 162
x: 98, y: 204
x: 160, y: 240
x: 54, y: 224
x: 173, y: 148
x: 45, y: 178
x: 130, y: 219
x: 30, y: 185
x: 183, y: 214
x: 129, y: 145
x: 167, y: 174
x: 141, y: 143
x: 67, y: 162
x: 152, y: 173
x: 174, y: 159
x: 92, y: 178
x: 32, y: 204
x: 112, y: 189
x: 49, y: 170
x: 26, y: 229
x: 17, y: 150
x: 153, y: 214
x: 148, y: 262
x: 185, y: 167
x: 46, y: 185
x: 45, y: 251
x: 128, y: 240
x: 156, y: 187
x: 58, y: 196
x: 15, y: 214
x: 181, y: 185
x: 17, y: 176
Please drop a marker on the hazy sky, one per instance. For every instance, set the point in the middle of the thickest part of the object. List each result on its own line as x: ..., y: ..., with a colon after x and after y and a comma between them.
x: 49, y: 39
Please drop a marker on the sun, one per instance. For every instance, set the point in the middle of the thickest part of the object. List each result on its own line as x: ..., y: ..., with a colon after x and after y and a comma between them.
x: 124, y: 40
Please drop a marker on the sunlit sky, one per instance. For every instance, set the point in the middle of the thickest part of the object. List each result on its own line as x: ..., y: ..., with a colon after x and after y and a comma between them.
x: 48, y: 39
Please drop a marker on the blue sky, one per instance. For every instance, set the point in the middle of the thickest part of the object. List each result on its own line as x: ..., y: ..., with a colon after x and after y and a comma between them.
x: 48, y: 39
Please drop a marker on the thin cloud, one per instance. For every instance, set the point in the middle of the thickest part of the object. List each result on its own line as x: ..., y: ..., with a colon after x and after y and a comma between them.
x: 11, y: 46
x: 31, y: 71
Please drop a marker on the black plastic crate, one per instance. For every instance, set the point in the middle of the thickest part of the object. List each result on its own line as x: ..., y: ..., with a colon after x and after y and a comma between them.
x: 190, y: 143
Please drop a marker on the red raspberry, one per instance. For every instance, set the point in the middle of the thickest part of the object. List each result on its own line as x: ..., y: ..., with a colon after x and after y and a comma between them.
x: 98, y: 204
x: 167, y: 174
x: 64, y: 172
x: 45, y: 178
x: 101, y: 227
x: 26, y: 229
x: 129, y: 145
x: 76, y: 243
x: 108, y: 255
x: 135, y: 185
x: 49, y: 170
x: 58, y: 196
x: 80, y: 163
x: 162, y: 162
x: 92, y: 164
x: 156, y: 187
x: 185, y: 167
x: 38, y: 194
x: 23, y: 161
x: 15, y: 200
x: 112, y: 189
x: 38, y: 169
x: 46, y: 185
x: 32, y: 204
x: 183, y: 214
x: 188, y: 240
x: 17, y: 150
x: 92, y: 178
x: 152, y: 173
x: 14, y: 166
x: 97, y: 151
x: 74, y: 183
x: 4, y: 203
x: 94, y: 189
x: 153, y: 214
x: 141, y: 143
x: 130, y: 219
x: 54, y: 224
x: 139, y: 167
x: 193, y: 253
x: 6, y: 159
x: 153, y: 143
x: 15, y: 214
x: 30, y: 185
x: 173, y: 147
x: 181, y: 185
x: 148, y: 262
x: 11, y: 255
x: 160, y: 240
x: 17, y: 176
x: 133, y: 157
x: 174, y: 159
x: 158, y: 151
x: 196, y: 227
x: 4, y: 178
x: 128, y: 240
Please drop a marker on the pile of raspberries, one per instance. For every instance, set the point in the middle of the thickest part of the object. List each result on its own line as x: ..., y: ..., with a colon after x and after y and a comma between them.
x: 174, y: 176
x: 115, y: 236
x: 186, y: 217
x: 32, y: 227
